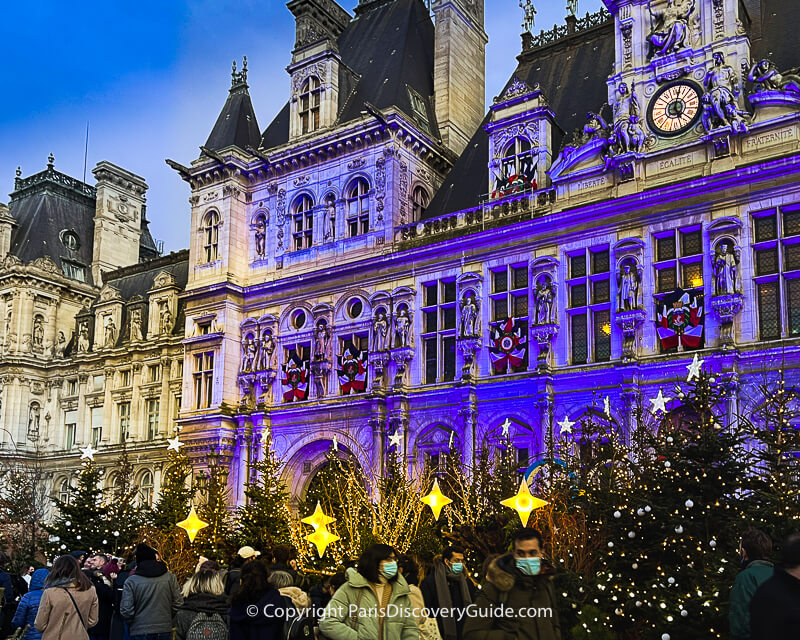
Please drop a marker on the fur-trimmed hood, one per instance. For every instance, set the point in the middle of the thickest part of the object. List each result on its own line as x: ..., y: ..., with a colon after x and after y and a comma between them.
x: 503, y: 573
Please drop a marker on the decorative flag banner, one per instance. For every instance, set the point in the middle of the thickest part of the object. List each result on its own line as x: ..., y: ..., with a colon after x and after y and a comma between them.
x: 295, y: 380
x: 352, y: 371
x: 510, y: 181
x: 508, y: 348
x: 680, y: 322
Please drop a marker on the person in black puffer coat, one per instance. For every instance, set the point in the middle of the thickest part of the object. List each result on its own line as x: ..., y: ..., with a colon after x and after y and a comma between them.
x: 204, y: 604
x: 256, y: 608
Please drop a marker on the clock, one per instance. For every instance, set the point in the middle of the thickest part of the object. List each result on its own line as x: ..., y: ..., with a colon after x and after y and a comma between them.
x: 674, y: 109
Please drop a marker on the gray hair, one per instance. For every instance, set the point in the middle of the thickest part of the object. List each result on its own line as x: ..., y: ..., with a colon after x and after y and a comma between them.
x: 281, y: 579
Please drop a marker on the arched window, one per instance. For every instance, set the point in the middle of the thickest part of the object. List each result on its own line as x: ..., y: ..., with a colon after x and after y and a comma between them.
x: 303, y: 214
x: 146, y: 488
x: 309, y: 105
x: 420, y: 199
x: 63, y: 492
x: 211, y: 236
x: 358, y: 207
x: 519, y: 170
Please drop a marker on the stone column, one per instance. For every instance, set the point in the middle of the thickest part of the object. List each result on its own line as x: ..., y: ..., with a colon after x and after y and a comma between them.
x: 137, y: 408
x: 84, y: 418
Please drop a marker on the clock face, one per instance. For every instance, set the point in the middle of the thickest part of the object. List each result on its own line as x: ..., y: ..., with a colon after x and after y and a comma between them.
x: 674, y: 109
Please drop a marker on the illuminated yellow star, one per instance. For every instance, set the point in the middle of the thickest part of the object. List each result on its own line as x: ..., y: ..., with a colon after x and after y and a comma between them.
x: 192, y: 524
x: 318, y: 519
x: 321, y: 538
x: 524, y: 503
x: 436, y: 500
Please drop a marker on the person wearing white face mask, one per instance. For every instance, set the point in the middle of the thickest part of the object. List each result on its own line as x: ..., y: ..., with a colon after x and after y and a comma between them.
x: 447, y: 591
x: 520, y: 583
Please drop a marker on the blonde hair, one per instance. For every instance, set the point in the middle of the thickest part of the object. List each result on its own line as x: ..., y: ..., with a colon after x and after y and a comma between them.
x: 204, y: 582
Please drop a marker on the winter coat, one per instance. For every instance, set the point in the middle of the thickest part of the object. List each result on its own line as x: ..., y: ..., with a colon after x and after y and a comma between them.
x: 199, y: 603
x: 431, y: 597
x: 525, y: 596
x: 57, y: 618
x: 8, y: 585
x: 299, y: 597
x: 149, y: 599
x: 29, y: 605
x: 106, y: 599
x: 266, y: 624
x: 775, y: 608
x: 336, y: 622
x: 747, y: 582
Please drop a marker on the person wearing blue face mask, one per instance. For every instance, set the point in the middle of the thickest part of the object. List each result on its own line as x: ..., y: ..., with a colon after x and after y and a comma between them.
x: 520, y: 583
x: 374, y: 603
x: 447, y: 589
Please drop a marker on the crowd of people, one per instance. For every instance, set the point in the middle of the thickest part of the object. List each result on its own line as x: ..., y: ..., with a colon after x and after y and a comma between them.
x: 381, y: 596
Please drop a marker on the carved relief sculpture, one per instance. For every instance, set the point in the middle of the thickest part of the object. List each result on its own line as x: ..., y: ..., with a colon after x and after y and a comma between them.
x: 402, y: 328
x: 322, y: 339
x: 469, y: 316
x: 670, y: 26
x: 720, y: 107
x: 766, y: 75
x: 83, y: 337
x: 544, y: 300
x: 725, y: 265
x: 629, y: 280
x: 136, y: 326
x: 380, y: 330
x: 60, y: 346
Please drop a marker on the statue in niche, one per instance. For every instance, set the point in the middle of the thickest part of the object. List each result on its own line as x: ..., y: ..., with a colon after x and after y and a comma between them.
x: 25, y: 347
x: 165, y: 323
x: 110, y: 331
x: 402, y: 328
x: 33, y: 418
x: 322, y: 338
x: 726, y: 269
x: 267, y: 350
x: 261, y: 237
x: 543, y: 300
x: 7, y: 331
x: 670, y: 26
x: 469, y: 316
x: 720, y: 107
x: 136, y: 326
x: 627, y: 132
x: 83, y: 337
x: 60, y: 346
x: 628, y: 282
x: 380, y: 329
x: 38, y: 332
x: 330, y: 219
x: 248, y: 354
x: 767, y: 75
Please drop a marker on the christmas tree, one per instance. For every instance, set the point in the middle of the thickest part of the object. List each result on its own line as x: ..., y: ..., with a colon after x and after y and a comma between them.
x: 124, y: 517
x: 80, y: 519
x: 216, y: 540
x: 174, y: 500
x: 262, y: 522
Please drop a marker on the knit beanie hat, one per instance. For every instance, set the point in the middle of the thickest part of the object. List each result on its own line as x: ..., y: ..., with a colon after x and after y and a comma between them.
x: 144, y: 552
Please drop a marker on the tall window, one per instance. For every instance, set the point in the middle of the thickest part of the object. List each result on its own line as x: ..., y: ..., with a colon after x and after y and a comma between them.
x: 70, y: 429
x: 777, y: 268
x: 358, y: 207
x: 589, y: 305
x: 152, y: 409
x: 125, y: 378
x: 352, y: 378
x: 124, y: 415
x: 154, y: 371
x: 303, y: 216
x: 97, y: 426
x: 203, y: 379
x: 439, y: 330
x: 518, y: 166
x: 146, y: 488
x: 420, y: 199
x: 309, y: 105
x: 72, y: 387
x: 63, y: 492
x: 211, y: 236
x: 509, y: 299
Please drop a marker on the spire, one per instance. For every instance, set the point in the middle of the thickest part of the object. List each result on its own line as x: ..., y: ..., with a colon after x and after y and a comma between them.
x: 236, y: 125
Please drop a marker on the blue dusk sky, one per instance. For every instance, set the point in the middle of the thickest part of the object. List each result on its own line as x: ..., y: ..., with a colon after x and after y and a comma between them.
x: 151, y: 77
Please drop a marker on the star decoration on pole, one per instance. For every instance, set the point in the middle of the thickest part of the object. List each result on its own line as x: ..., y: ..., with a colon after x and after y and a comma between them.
x: 394, y: 440
x: 694, y: 368
x: 659, y: 403
x: 524, y: 503
x: 318, y: 519
x: 506, y: 426
x: 174, y: 444
x: 88, y: 452
x: 436, y: 500
x: 607, y: 406
x: 192, y: 525
x: 321, y: 539
x: 566, y: 425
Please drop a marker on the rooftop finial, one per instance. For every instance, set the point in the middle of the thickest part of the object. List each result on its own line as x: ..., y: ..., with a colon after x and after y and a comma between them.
x: 51, y: 159
x: 239, y: 78
x: 572, y: 7
x: 19, y: 172
x: 530, y: 14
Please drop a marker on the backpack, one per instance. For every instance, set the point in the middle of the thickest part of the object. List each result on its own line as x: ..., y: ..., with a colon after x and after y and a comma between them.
x: 207, y: 627
x: 300, y: 628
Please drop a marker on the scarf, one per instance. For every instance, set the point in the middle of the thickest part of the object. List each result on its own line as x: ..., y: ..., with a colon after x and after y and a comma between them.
x: 440, y: 576
x: 60, y: 582
x: 383, y: 602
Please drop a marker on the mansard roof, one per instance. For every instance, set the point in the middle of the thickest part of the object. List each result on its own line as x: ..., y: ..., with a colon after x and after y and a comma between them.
x: 236, y: 125
x: 572, y: 69
x: 138, y: 279
x: 386, y: 49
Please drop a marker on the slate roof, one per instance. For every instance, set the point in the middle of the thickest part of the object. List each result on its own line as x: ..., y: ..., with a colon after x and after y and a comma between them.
x: 236, y: 124
x: 386, y: 48
x: 572, y: 73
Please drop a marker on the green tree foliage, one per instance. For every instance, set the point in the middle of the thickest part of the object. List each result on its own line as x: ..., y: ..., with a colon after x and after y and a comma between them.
x: 175, y: 497
x: 80, y: 520
x: 125, y: 515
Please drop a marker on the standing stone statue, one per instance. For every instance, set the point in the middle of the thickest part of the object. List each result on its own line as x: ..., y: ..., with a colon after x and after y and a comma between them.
x: 627, y: 130
x: 322, y: 338
x: 136, y: 326
x: 330, y: 219
x: 83, y: 337
x: 248, y: 354
x: 670, y: 26
x: 380, y: 329
x: 110, y: 333
x: 165, y: 325
x: 261, y: 237
x: 267, y: 350
x: 628, y: 288
x: 720, y: 107
x: 543, y: 299
x: 60, y: 346
x: 38, y: 331
x: 402, y: 328
x: 469, y: 316
x: 572, y: 7
x: 726, y: 270
x: 33, y: 418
